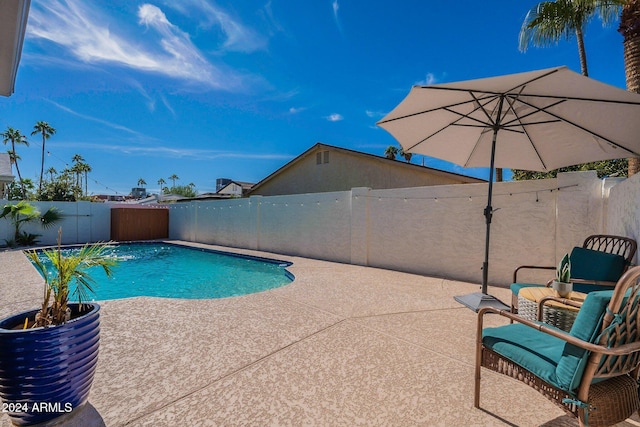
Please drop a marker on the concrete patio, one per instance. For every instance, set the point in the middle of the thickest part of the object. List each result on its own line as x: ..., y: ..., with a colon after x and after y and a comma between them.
x: 342, y: 345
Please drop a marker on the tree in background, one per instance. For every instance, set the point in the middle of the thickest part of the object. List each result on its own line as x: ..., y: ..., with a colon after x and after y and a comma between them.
x: 181, y: 190
x: 86, y: 168
x: 51, y: 171
x: 161, y: 183
x: 14, y: 190
x: 630, y: 30
x: 545, y: 24
x: 174, y: 178
x: 407, y: 156
x: 549, y: 21
x: 62, y: 188
x: 15, y: 137
x: 46, y: 130
x: 391, y: 152
x: 604, y: 168
x: 77, y: 160
x: 141, y: 182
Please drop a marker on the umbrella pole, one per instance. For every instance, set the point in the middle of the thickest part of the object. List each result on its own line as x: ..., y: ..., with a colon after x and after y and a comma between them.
x: 476, y: 301
x: 488, y: 213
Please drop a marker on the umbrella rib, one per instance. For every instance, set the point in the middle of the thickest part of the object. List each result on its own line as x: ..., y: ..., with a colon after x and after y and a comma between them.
x: 455, y: 122
x: 445, y: 107
x: 597, y: 135
x: 575, y: 98
x: 511, y: 102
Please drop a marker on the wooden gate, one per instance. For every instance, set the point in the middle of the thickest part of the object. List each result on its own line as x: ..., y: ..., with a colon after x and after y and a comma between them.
x: 139, y: 224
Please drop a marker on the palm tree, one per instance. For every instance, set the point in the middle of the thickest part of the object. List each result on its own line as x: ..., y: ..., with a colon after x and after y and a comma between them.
x: 549, y: 21
x: 86, y: 169
x: 391, y: 152
x: 630, y: 30
x: 407, y: 156
x: 78, y: 168
x: 46, y: 130
x: 142, y: 182
x: 161, y: 183
x: 51, y: 171
x: 15, y: 137
x: 173, y: 178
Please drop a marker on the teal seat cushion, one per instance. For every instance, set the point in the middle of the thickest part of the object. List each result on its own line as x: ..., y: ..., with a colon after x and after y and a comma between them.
x: 515, y: 287
x: 535, y: 351
x: 586, y: 327
x: 551, y: 359
x: 596, y: 265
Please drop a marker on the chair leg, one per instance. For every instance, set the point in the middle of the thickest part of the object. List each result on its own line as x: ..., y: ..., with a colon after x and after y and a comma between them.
x: 476, y: 393
x: 514, y: 303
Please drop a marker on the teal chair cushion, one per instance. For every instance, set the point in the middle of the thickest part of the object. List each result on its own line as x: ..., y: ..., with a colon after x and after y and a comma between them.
x: 547, y: 357
x: 588, y: 264
x: 596, y: 265
x: 586, y: 327
x: 535, y: 351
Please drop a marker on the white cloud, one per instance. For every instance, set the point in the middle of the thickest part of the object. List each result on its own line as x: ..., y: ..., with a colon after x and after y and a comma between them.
x: 296, y: 110
x: 97, y: 120
x: 335, y: 7
x: 374, y: 114
x: 429, y: 79
x: 86, y: 33
x: 334, y: 117
x: 172, y: 152
x: 238, y: 37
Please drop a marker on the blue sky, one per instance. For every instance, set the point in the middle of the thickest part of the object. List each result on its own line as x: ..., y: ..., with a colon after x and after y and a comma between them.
x: 207, y: 89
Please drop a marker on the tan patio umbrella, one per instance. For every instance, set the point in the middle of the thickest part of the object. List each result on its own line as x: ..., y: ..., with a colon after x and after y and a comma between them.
x: 539, y: 121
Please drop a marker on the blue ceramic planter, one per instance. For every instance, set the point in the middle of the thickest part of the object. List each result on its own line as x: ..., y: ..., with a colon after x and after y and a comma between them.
x: 47, y: 372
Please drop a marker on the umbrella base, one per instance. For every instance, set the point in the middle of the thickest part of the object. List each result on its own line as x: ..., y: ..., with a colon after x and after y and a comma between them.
x: 478, y: 300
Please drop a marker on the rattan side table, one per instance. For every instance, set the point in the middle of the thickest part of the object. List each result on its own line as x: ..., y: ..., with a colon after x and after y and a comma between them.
x: 554, y: 313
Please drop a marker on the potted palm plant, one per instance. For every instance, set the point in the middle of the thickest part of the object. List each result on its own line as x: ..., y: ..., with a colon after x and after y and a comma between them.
x: 562, y: 284
x: 48, y: 355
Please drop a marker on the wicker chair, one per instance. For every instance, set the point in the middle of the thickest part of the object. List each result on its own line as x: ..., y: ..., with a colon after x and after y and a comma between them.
x: 609, y: 245
x: 589, y: 372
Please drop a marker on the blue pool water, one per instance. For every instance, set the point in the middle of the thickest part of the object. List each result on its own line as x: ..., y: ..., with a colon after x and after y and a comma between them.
x: 172, y: 271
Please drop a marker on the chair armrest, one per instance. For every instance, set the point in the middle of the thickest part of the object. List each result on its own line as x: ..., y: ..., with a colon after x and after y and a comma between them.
x: 565, y: 301
x: 565, y: 336
x: 539, y: 267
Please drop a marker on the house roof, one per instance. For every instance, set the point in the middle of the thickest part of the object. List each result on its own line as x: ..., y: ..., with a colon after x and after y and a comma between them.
x: 13, y: 23
x: 322, y: 146
x: 246, y: 186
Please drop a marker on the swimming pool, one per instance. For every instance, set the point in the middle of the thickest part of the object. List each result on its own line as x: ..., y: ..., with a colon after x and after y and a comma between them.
x: 174, y: 271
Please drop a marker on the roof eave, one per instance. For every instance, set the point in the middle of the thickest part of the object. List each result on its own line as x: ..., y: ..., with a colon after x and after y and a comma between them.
x: 13, y: 24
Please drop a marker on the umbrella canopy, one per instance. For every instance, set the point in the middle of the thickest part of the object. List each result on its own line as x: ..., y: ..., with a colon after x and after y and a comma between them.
x: 547, y: 119
x: 538, y: 120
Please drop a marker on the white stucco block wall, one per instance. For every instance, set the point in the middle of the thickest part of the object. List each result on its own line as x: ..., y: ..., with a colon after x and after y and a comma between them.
x: 434, y: 230
x: 441, y: 230
x: 81, y: 222
x: 623, y: 209
x: 314, y: 225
